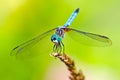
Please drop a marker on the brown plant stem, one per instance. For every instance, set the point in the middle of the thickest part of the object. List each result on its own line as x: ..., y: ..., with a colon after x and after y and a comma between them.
x: 74, y: 74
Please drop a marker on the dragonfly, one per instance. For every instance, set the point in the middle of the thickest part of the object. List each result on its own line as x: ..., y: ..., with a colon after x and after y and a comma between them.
x: 59, y: 34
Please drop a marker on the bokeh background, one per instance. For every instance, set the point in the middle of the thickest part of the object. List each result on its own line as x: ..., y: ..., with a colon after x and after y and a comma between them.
x: 21, y: 20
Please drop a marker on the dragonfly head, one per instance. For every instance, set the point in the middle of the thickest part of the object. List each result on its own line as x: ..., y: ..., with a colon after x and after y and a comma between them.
x: 55, y: 38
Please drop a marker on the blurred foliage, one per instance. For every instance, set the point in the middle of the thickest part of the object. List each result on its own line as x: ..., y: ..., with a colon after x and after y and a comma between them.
x: 21, y: 20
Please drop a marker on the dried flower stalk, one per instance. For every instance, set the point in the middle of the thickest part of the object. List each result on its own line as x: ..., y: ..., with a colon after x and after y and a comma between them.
x: 74, y: 74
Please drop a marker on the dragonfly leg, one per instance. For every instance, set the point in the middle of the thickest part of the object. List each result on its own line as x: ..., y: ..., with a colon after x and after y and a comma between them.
x: 54, y: 48
x: 63, y: 47
x: 57, y: 48
x: 60, y: 48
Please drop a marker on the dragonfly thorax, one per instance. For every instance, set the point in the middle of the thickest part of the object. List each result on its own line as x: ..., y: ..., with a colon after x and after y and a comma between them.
x: 60, y: 31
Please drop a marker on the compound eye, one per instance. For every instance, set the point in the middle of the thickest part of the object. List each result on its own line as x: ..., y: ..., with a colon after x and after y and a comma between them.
x: 54, y: 38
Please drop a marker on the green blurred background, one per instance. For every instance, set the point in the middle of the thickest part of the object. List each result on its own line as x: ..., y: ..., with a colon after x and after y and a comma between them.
x: 21, y: 20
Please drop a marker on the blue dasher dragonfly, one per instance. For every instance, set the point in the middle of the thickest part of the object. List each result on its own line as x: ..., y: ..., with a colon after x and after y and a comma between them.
x: 59, y: 33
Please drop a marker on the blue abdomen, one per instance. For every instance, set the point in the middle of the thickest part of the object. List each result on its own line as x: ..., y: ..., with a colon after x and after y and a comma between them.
x: 72, y: 17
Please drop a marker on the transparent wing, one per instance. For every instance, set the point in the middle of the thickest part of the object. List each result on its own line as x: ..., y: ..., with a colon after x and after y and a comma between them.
x: 89, y: 38
x: 42, y: 40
